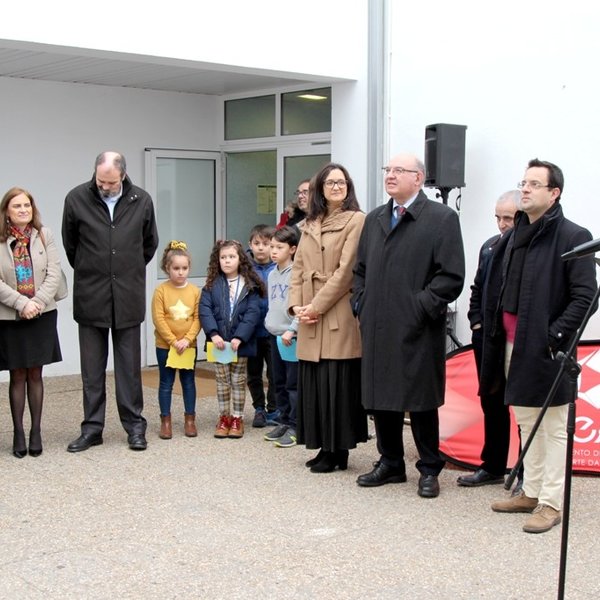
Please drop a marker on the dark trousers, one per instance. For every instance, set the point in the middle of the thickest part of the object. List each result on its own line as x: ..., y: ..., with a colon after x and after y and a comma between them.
x: 255, y: 376
x: 426, y: 433
x: 496, y: 422
x: 285, y: 381
x: 93, y: 350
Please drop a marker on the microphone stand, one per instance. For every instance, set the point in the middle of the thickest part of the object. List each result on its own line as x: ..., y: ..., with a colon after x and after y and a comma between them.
x: 569, y: 366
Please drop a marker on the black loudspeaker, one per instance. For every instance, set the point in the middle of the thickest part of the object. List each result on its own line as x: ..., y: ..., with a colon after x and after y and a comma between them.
x: 445, y: 155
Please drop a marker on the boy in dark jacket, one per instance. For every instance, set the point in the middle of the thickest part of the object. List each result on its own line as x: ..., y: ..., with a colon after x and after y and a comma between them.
x: 264, y: 406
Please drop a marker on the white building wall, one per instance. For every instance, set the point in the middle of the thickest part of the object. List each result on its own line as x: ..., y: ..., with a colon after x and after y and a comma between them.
x: 521, y: 76
x: 52, y: 132
x: 311, y: 36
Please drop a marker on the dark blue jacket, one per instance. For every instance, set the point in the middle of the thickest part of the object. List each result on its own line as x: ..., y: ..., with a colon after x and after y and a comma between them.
x: 263, y: 270
x: 216, y: 318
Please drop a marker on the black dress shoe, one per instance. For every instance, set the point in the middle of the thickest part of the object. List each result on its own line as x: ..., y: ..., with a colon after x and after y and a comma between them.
x: 19, y: 445
x: 429, y: 486
x: 83, y: 442
x: 480, y: 477
x: 35, y: 443
x: 137, y: 441
x: 381, y: 475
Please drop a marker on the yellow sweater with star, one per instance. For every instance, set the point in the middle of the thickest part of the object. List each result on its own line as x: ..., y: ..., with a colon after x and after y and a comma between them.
x: 175, y: 314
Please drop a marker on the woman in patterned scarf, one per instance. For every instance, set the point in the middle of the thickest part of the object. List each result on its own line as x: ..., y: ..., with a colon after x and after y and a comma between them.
x: 29, y: 278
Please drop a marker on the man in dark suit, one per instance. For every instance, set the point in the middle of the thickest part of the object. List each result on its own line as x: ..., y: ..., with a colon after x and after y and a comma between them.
x: 409, y: 266
x: 496, y: 415
x: 109, y: 234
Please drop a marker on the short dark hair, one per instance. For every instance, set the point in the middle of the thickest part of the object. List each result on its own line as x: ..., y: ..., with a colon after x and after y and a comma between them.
x: 262, y: 231
x: 118, y: 162
x: 556, y: 179
x: 286, y: 235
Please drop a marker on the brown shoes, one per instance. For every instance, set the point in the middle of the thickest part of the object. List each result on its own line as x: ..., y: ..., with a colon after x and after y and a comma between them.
x: 189, y: 427
x: 543, y: 519
x: 237, y: 427
x: 516, y: 504
x: 166, y: 431
x: 223, y: 426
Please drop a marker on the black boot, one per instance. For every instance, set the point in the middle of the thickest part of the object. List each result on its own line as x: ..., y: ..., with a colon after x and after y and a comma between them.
x: 330, y: 461
x: 313, y: 461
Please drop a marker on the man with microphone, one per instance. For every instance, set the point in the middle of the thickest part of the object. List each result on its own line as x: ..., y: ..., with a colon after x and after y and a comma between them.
x: 534, y: 304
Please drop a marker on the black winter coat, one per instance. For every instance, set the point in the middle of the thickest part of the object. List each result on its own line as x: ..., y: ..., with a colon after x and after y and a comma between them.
x: 553, y: 299
x: 404, y: 279
x: 242, y: 324
x: 109, y: 258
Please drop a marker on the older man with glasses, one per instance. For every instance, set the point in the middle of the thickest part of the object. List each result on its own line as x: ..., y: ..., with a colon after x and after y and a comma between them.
x: 409, y: 267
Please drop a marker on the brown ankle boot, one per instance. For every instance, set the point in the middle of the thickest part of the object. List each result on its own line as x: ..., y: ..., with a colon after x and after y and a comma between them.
x: 189, y: 427
x: 166, y: 431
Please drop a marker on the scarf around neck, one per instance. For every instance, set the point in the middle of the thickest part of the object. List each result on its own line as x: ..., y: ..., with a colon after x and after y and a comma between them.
x: 22, y: 260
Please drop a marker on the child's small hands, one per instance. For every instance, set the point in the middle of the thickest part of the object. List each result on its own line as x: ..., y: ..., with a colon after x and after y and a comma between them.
x: 235, y: 344
x: 287, y: 338
x: 218, y: 341
x: 181, y: 345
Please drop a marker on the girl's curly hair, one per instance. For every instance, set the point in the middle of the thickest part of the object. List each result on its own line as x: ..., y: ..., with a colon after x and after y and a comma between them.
x: 246, y: 270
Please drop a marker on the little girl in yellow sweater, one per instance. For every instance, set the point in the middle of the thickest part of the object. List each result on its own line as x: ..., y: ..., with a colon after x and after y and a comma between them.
x: 177, y: 324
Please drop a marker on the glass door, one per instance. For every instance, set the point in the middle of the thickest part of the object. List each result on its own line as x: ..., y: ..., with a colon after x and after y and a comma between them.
x: 186, y: 189
x: 300, y: 163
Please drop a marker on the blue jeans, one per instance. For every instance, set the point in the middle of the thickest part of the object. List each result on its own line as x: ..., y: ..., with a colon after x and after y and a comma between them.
x: 165, y: 385
x: 285, y: 378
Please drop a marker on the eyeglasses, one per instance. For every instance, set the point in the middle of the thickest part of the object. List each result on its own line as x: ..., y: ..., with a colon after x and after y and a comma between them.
x: 299, y: 193
x: 534, y: 185
x: 331, y: 183
x: 397, y: 170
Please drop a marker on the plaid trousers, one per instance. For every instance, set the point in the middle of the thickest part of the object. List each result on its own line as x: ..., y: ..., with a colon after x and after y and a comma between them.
x: 231, y: 385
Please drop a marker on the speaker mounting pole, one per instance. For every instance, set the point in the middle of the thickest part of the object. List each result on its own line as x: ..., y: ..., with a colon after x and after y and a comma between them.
x: 443, y: 193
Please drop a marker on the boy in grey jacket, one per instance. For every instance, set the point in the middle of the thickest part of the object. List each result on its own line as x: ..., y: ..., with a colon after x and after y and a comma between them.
x: 281, y: 325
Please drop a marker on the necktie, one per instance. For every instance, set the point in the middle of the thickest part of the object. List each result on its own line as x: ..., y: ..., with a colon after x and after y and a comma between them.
x: 397, y: 214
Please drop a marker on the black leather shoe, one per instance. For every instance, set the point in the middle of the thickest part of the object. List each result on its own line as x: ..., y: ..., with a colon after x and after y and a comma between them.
x: 137, y: 441
x: 381, y: 475
x: 83, y: 442
x: 429, y: 486
x: 480, y: 477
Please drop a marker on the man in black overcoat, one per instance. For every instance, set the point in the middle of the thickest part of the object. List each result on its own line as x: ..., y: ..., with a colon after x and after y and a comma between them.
x: 496, y: 415
x: 409, y: 266
x: 109, y: 234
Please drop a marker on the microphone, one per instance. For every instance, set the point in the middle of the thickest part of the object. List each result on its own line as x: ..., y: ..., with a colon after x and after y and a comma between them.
x: 582, y: 250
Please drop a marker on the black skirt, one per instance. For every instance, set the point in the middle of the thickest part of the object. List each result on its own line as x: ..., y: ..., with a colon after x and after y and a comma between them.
x: 26, y: 343
x: 329, y: 413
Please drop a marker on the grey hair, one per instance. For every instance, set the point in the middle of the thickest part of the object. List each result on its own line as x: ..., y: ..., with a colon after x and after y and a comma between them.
x: 420, y: 165
x: 513, y: 196
x: 118, y: 162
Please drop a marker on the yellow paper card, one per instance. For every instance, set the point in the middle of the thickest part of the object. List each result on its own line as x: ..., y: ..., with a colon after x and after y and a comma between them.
x: 185, y: 360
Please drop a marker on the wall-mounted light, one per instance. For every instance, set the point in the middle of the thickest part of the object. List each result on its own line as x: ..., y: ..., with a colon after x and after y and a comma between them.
x: 312, y: 97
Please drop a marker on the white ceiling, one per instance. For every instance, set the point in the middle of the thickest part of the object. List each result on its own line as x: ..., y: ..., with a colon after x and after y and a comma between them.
x: 154, y: 73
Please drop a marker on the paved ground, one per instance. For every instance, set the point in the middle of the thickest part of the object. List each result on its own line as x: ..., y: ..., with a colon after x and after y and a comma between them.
x: 207, y: 518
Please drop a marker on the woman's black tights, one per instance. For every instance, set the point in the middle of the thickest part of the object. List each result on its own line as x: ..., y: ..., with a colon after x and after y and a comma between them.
x: 26, y: 382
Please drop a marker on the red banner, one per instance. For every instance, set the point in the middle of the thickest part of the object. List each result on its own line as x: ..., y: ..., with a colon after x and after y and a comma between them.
x: 461, y: 418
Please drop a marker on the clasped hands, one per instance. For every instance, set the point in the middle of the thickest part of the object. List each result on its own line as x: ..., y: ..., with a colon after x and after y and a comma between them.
x: 31, y: 310
x: 306, y: 314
